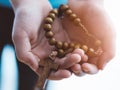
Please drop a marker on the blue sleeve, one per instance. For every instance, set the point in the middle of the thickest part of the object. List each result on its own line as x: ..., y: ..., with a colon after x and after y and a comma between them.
x: 5, y: 3
x: 57, y: 3
x: 54, y: 3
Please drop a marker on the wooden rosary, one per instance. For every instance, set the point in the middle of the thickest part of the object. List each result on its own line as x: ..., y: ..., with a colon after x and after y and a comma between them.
x: 63, y: 48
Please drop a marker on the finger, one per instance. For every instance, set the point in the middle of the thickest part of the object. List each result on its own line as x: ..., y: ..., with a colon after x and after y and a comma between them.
x: 93, y: 60
x: 84, y: 57
x: 76, y: 69
x: 23, y: 51
x: 31, y: 60
x: 89, y: 68
x: 60, y: 74
x: 69, y: 60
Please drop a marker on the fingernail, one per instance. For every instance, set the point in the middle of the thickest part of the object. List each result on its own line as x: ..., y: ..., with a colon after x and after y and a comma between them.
x: 79, y: 73
x: 78, y: 57
x: 86, y: 70
x: 76, y: 72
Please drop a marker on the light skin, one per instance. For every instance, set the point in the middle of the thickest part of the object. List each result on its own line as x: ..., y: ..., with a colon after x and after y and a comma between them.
x: 94, y: 17
x: 31, y: 45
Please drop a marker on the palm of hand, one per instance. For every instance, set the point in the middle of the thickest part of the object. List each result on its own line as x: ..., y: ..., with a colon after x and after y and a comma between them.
x: 98, y: 23
x: 95, y: 19
x: 30, y: 43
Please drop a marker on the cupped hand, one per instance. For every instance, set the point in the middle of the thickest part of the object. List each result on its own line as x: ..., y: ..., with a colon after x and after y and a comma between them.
x: 30, y: 43
x: 94, y: 17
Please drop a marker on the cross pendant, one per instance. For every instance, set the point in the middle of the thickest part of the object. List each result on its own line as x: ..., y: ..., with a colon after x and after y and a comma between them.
x: 48, y: 65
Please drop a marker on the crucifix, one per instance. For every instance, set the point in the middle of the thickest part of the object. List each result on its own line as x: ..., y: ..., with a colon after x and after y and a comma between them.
x: 48, y: 65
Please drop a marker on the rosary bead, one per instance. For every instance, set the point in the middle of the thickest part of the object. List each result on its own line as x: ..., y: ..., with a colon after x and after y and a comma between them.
x: 61, y: 53
x: 52, y: 41
x: 77, y: 46
x: 77, y: 21
x: 98, y: 43
x: 68, y: 12
x: 69, y: 50
x: 64, y: 7
x: 53, y: 55
x: 73, y: 16
x: 59, y: 44
x: 49, y: 34
x: 49, y: 20
x: 65, y: 45
x: 71, y: 45
x: 85, y: 48
x: 47, y: 27
x: 52, y: 15
x: 55, y: 11
x: 90, y: 52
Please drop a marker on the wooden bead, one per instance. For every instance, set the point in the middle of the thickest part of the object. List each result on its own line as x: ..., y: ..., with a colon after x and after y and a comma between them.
x: 85, y: 48
x: 91, y: 52
x: 47, y: 27
x: 64, y: 7
x: 52, y: 15
x: 61, y: 53
x: 48, y: 20
x: 55, y: 11
x: 77, y: 46
x: 77, y: 21
x: 65, y: 45
x: 68, y: 12
x: 59, y: 44
x: 69, y: 50
x: 73, y: 16
x: 97, y: 42
x: 71, y: 45
x: 52, y: 41
x: 49, y: 34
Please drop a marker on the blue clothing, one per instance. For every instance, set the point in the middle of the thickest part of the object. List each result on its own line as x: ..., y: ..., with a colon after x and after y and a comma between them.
x: 5, y: 3
x: 57, y: 3
x: 54, y: 3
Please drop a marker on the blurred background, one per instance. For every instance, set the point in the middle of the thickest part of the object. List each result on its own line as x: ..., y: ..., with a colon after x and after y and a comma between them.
x: 13, y: 74
x: 17, y: 76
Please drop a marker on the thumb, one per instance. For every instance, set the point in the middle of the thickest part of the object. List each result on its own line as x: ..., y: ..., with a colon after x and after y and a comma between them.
x: 23, y: 50
x: 109, y: 51
x: 103, y: 60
